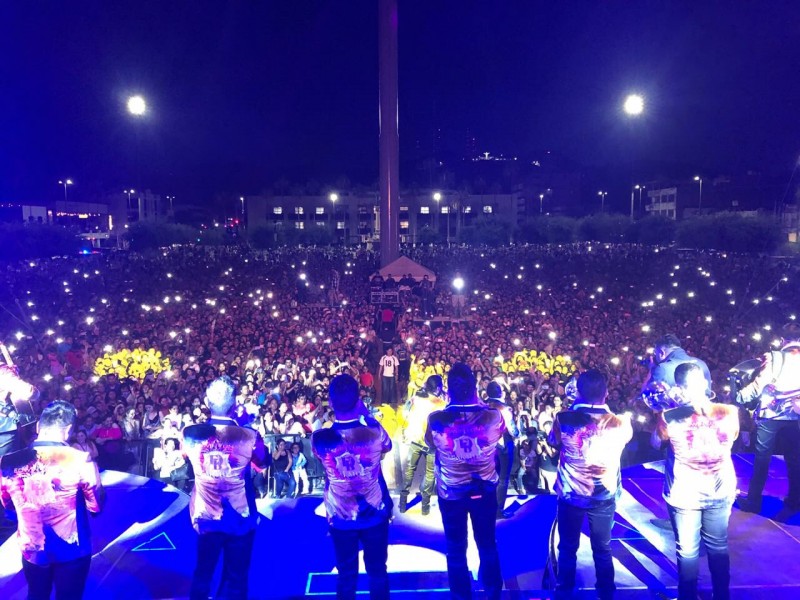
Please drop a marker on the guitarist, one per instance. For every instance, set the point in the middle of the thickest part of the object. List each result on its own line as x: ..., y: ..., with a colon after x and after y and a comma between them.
x: 774, y: 394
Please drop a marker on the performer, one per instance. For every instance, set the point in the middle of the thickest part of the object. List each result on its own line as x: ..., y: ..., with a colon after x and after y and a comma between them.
x: 699, y: 480
x: 223, y: 502
x: 52, y: 486
x: 13, y: 393
x: 356, y: 498
x: 418, y: 408
x: 506, y: 448
x: 775, y: 391
x: 465, y: 436
x: 591, y: 439
x: 667, y: 355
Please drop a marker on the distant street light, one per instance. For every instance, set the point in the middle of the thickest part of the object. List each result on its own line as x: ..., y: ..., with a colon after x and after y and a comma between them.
x: 333, y: 197
x: 541, y: 203
x: 602, y: 195
x: 129, y: 192
x: 65, y: 183
x: 640, y: 188
x: 437, y: 197
x: 700, y: 200
x: 634, y: 105
x: 137, y: 106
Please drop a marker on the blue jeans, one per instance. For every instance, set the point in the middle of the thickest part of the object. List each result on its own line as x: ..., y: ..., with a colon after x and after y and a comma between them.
x: 375, y: 542
x: 569, y: 522
x: 710, y: 524
x: 482, y: 511
x: 284, y: 479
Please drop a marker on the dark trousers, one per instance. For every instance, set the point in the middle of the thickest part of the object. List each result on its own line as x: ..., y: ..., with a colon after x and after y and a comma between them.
x: 375, y: 542
x: 569, y: 522
x: 284, y: 479
x: 482, y: 511
x: 415, y: 453
x: 768, y: 435
x: 389, y: 390
x: 68, y: 578
x: 710, y: 524
x: 236, y: 551
x: 504, y: 460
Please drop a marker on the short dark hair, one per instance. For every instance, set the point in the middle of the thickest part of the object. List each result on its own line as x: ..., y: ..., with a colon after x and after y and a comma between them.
x: 494, y: 391
x: 461, y: 383
x: 791, y: 332
x: 592, y: 385
x: 682, y: 372
x: 434, y: 385
x: 58, y: 413
x: 668, y: 340
x: 343, y: 392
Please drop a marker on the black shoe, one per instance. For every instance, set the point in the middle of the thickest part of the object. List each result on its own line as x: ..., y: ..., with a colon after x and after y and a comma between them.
x: 508, y: 513
x: 401, y: 504
x: 747, y: 504
x: 426, y: 509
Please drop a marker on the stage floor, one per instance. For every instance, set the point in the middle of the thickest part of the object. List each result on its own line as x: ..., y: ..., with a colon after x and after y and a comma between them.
x: 145, y: 547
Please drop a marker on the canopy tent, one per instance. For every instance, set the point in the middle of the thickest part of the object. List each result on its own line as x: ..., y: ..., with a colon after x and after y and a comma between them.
x: 405, y: 266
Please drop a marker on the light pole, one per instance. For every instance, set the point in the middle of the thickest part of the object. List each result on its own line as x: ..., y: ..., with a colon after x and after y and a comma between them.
x: 541, y: 203
x: 333, y: 197
x: 602, y: 195
x: 65, y: 183
x: 437, y: 197
x: 241, y: 199
x: 700, y: 199
x: 640, y: 188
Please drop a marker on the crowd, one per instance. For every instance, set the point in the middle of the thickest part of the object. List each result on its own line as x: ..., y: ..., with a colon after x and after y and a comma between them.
x: 273, y: 323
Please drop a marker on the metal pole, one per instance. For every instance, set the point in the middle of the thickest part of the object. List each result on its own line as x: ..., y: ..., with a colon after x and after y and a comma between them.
x: 632, y: 203
x: 388, y: 139
x: 700, y: 201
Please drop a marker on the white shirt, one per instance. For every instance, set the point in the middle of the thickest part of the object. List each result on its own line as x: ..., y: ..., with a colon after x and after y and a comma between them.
x: 389, y: 364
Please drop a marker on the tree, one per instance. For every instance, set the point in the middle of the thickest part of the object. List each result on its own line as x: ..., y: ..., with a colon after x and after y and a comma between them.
x: 603, y: 228
x: 653, y: 229
x: 36, y: 241
x: 429, y: 235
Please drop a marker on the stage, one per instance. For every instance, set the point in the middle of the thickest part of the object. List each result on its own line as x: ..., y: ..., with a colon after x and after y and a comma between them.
x: 144, y: 546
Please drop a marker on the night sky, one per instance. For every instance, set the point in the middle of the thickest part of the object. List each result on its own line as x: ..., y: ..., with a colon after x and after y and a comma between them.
x: 242, y: 94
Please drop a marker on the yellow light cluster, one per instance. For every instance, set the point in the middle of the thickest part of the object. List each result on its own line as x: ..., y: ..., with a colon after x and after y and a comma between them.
x: 131, y: 364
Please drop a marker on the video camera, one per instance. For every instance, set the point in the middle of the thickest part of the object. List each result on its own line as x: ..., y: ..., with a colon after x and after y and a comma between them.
x: 742, y: 374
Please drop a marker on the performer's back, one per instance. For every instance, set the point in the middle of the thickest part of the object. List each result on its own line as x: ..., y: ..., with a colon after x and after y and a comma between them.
x: 223, y: 498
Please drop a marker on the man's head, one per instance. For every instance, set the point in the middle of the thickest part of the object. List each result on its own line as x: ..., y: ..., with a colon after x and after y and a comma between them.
x: 461, y: 384
x: 664, y: 346
x: 494, y: 391
x: 690, y: 378
x: 434, y: 385
x: 592, y: 387
x: 220, y: 396
x: 344, y: 395
x: 790, y: 333
x: 56, y: 421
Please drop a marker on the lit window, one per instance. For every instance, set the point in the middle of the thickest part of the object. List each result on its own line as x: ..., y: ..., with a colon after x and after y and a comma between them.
x: 487, y: 209
x: 403, y: 224
x: 278, y: 210
x: 339, y: 224
x: 298, y: 210
x: 299, y: 225
x: 445, y: 210
x: 321, y: 223
x: 467, y: 209
x: 403, y: 209
x: 320, y: 210
x: 424, y: 210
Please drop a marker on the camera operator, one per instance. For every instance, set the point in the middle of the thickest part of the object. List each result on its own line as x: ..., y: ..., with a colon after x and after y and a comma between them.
x: 667, y: 355
x: 505, y: 447
x: 774, y: 393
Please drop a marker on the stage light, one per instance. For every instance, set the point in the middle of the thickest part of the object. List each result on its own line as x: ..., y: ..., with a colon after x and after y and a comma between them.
x: 173, y: 334
x: 47, y: 377
x: 552, y: 335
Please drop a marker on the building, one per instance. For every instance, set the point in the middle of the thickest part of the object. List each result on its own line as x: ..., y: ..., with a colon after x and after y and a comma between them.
x: 355, y: 218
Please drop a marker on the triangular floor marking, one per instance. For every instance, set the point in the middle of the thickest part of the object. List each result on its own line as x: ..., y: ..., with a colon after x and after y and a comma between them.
x: 158, y: 542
